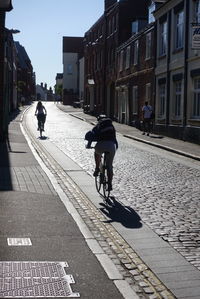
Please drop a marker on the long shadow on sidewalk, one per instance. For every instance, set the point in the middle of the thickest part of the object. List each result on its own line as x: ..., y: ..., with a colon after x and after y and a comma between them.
x: 5, y: 148
x: 117, y: 212
x: 5, y: 175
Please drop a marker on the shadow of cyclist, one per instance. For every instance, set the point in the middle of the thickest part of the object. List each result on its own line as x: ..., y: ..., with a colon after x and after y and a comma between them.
x: 120, y: 213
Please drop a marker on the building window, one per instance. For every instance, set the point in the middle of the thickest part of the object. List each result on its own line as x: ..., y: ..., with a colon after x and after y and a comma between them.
x: 148, y: 92
x: 163, y: 39
x: 136, y: 47
x: 196, y: 98
x: 121, y: 60
x: 197, y: 11
x: 177, y: 98
x: 162, y: 97
x: 128, y: 50
x: 135, y: 99
x: 179, y: 30
x: 69, y: 69
x: 148, y: 45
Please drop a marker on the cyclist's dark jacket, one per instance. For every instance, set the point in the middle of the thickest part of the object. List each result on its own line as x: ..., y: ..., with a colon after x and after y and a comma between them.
x: 105, y: 131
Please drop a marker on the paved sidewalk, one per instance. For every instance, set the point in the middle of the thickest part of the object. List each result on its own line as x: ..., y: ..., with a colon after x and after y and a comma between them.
x: 40, y: 241
x: 187, y: 149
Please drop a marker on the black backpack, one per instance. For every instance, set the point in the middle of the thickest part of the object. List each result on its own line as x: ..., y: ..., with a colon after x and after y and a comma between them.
x: 105, y: 129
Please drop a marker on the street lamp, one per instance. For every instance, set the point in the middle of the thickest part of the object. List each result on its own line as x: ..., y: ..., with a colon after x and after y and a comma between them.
x: 5, y: 5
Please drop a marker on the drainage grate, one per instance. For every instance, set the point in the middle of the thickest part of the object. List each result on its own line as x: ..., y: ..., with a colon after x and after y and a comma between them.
x: 35, y: 279
x: 19, y: 241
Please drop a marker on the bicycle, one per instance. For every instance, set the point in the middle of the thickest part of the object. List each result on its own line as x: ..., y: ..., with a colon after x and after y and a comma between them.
x: 41, y: 120
x: 101, y: 180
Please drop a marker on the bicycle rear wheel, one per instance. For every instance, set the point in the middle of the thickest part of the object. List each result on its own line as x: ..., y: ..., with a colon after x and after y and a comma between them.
x: 106, y: 191
x: 98, y: 182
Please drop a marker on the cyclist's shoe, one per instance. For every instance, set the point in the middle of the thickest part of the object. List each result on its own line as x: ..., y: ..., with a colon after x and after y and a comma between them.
x: 109, y: 187
x: 96, y: 172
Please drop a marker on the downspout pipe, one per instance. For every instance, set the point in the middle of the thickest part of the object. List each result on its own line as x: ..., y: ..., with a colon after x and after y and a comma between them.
x: 2, y: 77
x: 187, y: 7
x: 168, y: 71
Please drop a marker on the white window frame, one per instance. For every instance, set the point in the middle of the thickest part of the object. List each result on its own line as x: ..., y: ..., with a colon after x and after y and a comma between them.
x: 135, y: 99
x: 148, y: 45
x: 162, y: 99
x: 177, y: 98
x: 136, y: 52
x: 148, y: 92
x: 179, y: 31
x: 163, y: 39
x: 69, y: 69
x: 128, y: 51
x: 196, y: 98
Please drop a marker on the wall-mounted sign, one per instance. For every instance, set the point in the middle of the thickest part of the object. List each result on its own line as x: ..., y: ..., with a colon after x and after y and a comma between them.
x: 195, y: 36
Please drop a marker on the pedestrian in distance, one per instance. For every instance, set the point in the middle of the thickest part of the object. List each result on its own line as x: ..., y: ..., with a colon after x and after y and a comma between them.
x: 41, y: 114
x: 104, y: 135
x: 147, y: 118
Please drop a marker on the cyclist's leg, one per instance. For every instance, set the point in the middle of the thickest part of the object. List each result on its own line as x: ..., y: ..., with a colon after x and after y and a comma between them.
x: 43, y: 117
x: 39, y: 121
x: 110, y: 153
x: 97, y: 157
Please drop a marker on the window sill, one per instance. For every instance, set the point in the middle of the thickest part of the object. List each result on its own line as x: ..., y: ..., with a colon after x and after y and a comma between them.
x: 194, y: 119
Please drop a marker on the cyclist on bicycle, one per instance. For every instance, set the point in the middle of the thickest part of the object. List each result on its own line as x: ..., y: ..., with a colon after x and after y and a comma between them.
x: 41, y: 113
x: 105, y: 135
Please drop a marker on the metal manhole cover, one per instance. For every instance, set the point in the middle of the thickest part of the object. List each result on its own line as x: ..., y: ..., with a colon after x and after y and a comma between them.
x: 19, y: 241
x: 35, y: 279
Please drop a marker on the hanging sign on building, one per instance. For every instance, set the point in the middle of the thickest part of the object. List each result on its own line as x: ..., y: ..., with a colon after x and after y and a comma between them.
x: 196, y: 36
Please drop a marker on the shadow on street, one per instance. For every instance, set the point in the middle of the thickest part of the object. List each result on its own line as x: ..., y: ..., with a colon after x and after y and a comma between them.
x: 117, y: 212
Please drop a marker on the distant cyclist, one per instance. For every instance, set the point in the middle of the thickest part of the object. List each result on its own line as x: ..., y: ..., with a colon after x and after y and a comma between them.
x: 105, y: 135
x: 41, y: 113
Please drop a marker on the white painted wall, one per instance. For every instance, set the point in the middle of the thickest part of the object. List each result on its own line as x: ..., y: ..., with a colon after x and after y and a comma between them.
x: 81, y: 77
x: 70, y: 71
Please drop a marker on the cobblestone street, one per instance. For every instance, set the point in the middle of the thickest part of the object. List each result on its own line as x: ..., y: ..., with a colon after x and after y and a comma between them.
x: 162, y: 188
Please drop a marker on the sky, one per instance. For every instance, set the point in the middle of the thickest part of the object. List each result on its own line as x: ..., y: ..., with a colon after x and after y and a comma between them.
x: 42, y: 25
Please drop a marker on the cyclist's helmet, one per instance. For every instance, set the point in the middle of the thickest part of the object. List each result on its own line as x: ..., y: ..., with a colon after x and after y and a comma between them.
x: 101, y: 116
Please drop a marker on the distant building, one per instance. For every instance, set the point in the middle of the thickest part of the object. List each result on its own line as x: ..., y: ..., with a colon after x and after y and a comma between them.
x: 72, y: 53
x: 25, y: 74
x: 41, y: 92
x: 59, y: 79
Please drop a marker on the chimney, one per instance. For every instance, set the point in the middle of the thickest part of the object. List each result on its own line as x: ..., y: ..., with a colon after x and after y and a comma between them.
x: 108, y: 3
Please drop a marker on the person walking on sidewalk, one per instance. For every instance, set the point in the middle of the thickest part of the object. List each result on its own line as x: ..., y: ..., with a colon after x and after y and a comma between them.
x: 41, y: 114
x: 147, y: 112
x: 105, y: 135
